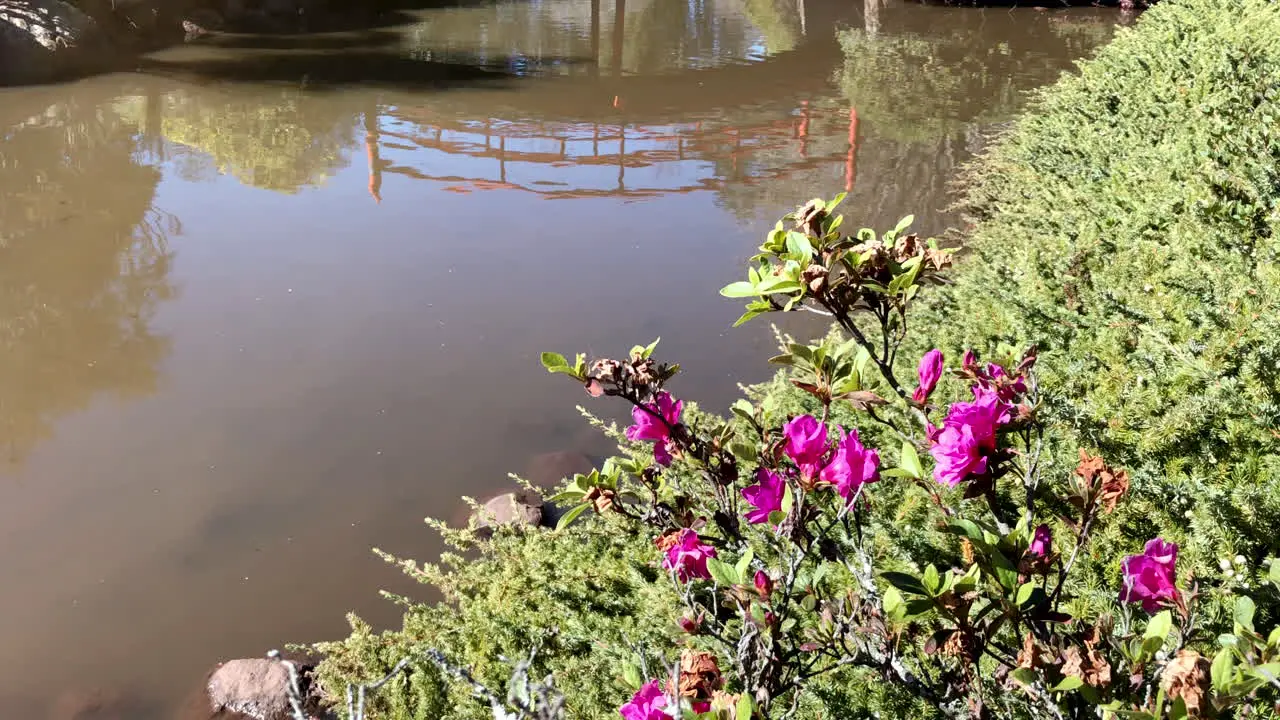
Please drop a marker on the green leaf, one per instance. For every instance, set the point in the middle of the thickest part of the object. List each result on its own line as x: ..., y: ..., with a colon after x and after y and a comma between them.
x: 904, y: 223
x: 744, y: 563
x: 631, y: 676
x: 750, y: 314
x: 722, y: 572
x: 1024, y: 593
x: 911, y: 461
x: 571, y: 515
x: 799, y: 247
x: 744, y: 452
x: 904, y: 582
x: 553, y: 361
x: 740, y: 289
x: 893, y: 603
x: 1274, y: 574
x: 1157, y: 632
x: 1244, y: 612
x: 809, y: 602
x: 567, y: 495
x: 776, y: 517
x: 648, y: 349
x: 1068, y: 684
x: 919, y: 607
x: 1005, y: 571
x: 932, y: 583
x: 745, y: 410
x: 746, y: 708
x: 1026, y: 676
x: 1223, y: 669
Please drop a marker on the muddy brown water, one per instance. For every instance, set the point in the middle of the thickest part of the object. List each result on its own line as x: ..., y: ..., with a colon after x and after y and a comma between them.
x: 270, y: 301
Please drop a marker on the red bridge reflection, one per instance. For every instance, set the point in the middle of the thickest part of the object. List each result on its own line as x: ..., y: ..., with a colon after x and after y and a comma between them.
x: 558, y: 160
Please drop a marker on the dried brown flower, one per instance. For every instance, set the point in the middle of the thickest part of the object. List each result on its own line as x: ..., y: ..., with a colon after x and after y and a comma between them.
x: 1187, y: 677
x: 1108, y: 483
x: 699, y: 675
x: 1091, y: 667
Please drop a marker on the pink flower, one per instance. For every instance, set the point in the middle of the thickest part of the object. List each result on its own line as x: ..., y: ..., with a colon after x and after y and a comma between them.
x: 984, y: 415
x: 646, y: 704
x: 688, y: 556
x: 929, y: 372
x: 1006, y: 389
x: 961, y: 447
x: 765, y: 496
x: 1150, y: 578
x: 956, y: 455
x: 1041, y: 542
x: 1165, y: 553
x: 806, y: 442
x: 851, y: 466
x: 650, y: 427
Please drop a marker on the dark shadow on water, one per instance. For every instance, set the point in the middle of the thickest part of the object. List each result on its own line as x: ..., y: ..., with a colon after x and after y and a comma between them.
x: 320, y: 71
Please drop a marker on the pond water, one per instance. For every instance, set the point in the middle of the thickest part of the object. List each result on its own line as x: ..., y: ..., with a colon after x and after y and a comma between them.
x: 271, y: 300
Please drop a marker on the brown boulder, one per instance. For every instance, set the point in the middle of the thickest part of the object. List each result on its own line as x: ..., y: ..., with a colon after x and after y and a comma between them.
x: 45, y: 39
x: 518, y: 509
x: 256, y: 688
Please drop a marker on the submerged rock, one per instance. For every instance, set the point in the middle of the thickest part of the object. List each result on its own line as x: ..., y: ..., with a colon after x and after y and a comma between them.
x: 548, y: 469
x: 94, y: 704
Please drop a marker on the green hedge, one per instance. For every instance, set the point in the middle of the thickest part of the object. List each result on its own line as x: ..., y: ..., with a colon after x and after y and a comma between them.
x: 1128, y: 225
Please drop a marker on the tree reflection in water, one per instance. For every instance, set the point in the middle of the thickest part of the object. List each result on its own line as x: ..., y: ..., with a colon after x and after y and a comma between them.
x: 84, y: 259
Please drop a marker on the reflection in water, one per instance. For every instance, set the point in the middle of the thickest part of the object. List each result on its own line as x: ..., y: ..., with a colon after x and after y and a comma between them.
x: 283, y: 143
x: 345, y: 301
x: 83, y: 263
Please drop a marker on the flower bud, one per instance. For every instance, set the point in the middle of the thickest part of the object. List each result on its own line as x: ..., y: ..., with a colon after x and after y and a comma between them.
x: 688, y: 624
x: 763, y: 583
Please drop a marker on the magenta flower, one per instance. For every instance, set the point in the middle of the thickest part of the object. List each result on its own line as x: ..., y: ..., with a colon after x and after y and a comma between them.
x: 929, y: 372
x: 765, y: 496
x: 650, y: 427
x: 688, y: 557
x: 806, y: 442
x: 646, y: 704
x: 956, y: 455
x: 984, y: 415
x: 1165, y: 553
x: 851, y: 466
x: 961, y: 447
x: 1150, y: 578
x: 1041, y: 542
x: 1007, y: 390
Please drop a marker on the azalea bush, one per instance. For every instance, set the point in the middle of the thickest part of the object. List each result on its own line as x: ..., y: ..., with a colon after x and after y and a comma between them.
x: 772, y: 531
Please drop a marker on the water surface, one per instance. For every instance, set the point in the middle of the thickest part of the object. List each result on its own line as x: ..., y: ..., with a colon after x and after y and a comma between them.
x: 269, y: 301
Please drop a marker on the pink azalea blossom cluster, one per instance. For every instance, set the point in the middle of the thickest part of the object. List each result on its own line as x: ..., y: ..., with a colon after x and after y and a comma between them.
x: 846, y: 467
x: 688, y: 555
x: 963, y: 446
x: 1150, y: 578
x: 655, y: 422
x: 647, y: 704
